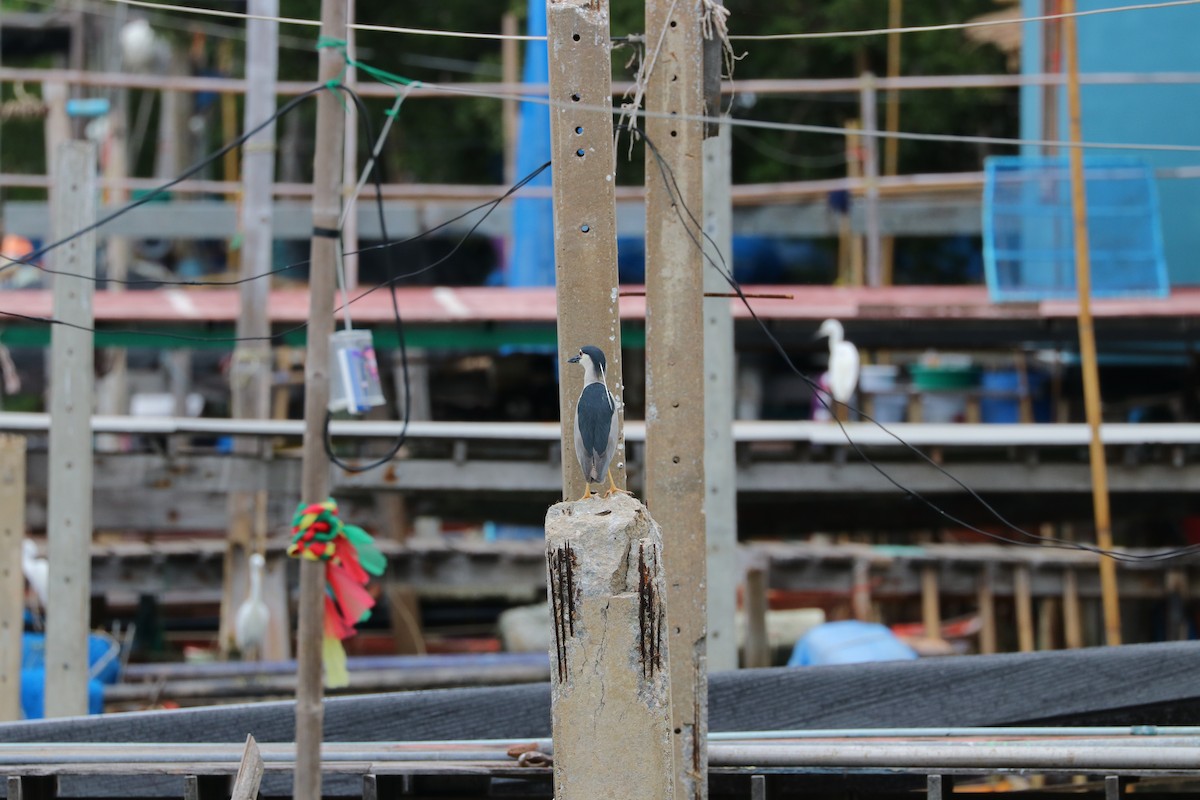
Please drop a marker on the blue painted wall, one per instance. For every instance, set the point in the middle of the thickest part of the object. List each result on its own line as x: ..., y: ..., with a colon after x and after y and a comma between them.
x: 1150, y: 40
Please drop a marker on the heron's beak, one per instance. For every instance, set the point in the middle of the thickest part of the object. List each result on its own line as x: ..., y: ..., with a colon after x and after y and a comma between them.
x: 574, y: 360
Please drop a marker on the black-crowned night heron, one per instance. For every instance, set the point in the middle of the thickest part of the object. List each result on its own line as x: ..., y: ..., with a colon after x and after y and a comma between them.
x: 843, y: 361
x: 595, y: 422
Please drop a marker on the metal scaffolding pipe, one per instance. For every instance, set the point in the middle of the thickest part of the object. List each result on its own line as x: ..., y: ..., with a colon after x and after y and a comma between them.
x: 982, y: 755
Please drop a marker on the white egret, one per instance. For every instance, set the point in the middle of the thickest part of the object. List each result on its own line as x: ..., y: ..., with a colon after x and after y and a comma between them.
x: 843, y: 361
x: 37, y: 571
x: 253, y: 617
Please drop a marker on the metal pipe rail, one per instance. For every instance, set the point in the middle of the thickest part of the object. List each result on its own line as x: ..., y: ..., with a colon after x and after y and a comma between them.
x: 1105, y: 755
x: 744, y: 431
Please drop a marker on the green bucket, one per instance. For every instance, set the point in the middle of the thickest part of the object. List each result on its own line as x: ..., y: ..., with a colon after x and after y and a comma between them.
x: 934, y: 378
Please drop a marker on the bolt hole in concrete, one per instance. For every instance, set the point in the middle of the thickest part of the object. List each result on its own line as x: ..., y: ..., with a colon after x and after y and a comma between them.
x: 575, y: 97
x: 675, y: 459
x: 579, y: 129
x: 575, y: 36
x: 580, y: 152
x: 674, y: 133
x: 585, y: 228
x: 673, y: 23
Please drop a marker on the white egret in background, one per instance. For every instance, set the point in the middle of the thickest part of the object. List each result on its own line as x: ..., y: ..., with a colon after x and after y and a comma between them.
x: 253, y: 617
x: 843, y: 361
x: 36, y: 570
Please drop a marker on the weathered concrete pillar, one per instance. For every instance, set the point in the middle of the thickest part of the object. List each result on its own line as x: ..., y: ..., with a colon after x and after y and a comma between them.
x: 609, y: 670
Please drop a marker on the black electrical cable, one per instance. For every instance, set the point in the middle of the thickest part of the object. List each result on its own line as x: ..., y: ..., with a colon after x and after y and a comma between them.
x: 158, y: 190
x: 377, y: 170
x: 680, y: 207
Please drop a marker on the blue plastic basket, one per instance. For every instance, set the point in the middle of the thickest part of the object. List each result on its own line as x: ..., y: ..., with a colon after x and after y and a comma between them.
x: 1029, y: 238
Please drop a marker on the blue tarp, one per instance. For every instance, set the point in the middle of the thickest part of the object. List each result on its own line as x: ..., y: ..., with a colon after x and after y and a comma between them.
x: 849, y: 642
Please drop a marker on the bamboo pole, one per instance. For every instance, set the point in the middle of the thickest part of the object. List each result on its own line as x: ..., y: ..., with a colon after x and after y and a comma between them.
x: 1087, y: 334
x: 327, y: 180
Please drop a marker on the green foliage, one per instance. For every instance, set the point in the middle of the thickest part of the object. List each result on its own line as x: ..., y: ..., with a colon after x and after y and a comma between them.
x: 460, y: 139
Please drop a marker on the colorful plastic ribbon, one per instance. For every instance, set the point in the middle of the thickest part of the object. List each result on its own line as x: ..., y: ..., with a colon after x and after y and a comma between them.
x: 350, y: 558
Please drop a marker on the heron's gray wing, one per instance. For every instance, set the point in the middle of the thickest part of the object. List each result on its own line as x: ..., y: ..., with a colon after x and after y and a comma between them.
x: 594, y: 421
x: 581, y: 453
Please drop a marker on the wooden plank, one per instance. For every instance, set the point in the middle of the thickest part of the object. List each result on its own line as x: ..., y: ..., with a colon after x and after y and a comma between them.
x: 69, y: 523
x: 250, y: 772
x: 12, y: 579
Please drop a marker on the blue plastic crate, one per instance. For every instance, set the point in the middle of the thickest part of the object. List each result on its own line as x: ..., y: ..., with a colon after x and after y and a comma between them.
x: 1029, y: 237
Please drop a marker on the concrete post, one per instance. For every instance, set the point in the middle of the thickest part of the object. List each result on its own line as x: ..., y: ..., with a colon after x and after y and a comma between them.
x: 720, y: 470
x: 609, y: 665
x: 675, y: 362
x: 12, y: 580
x: 69, y: 504
x: 250, y: 370
x: 585, y: 211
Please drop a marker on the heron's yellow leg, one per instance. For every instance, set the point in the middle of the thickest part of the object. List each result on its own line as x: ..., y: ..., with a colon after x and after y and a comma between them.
x: 612, y: 487
x: 587, y: 491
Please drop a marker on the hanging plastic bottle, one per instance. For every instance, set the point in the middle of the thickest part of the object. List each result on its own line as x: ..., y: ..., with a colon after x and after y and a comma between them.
x: 353, y: 372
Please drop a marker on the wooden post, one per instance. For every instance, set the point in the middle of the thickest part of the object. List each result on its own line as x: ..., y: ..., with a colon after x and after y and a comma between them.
x: 1087, y: 334
x: 609, y: 665
x: 112, y: 389
x: 720, y: 469
x: 870, y: 145
x: 327, y: 185
x: 1023, y: 598
x: 675, y: 362
x: 510, y: 66
x: 987, y: 610
x: 891, y: 145
x: 585, y: 212
x: 69, y: 502
x: 250, y: 369
x: 350, y: 161
x: 12, y: 580
x: 850, y: 243
x: 931, y: 611
x: 860, y: 590
x: 758, y: 647
x: 1072, y: 618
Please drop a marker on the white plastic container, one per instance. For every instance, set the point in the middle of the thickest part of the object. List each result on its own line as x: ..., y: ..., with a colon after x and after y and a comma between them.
x: 353, y: 372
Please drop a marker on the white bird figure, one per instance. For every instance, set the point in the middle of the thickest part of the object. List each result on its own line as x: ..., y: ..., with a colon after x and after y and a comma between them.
x: 37, y: 571
x: 843, y: 361
x: 250, y: 628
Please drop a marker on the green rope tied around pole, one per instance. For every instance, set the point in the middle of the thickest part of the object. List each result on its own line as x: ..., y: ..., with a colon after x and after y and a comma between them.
x: 397, y: 82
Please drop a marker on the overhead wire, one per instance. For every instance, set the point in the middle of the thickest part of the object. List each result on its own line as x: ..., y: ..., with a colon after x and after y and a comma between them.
x: 958, y: 26
x: 691, y: 223
x: 950, y: 26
